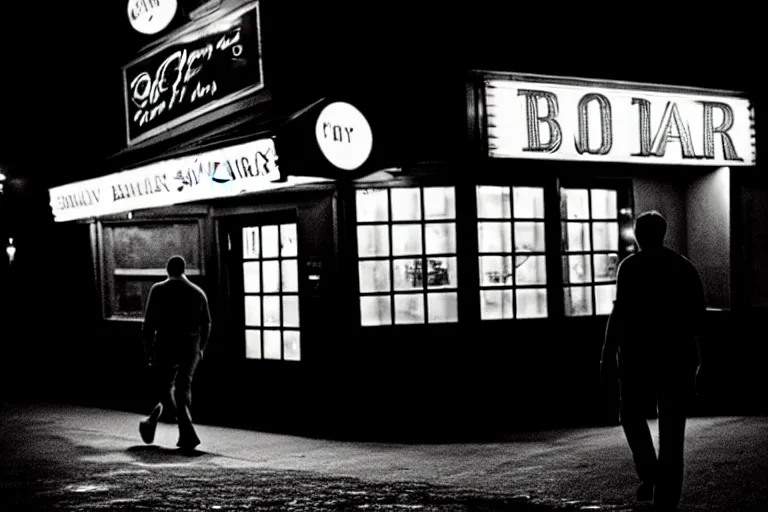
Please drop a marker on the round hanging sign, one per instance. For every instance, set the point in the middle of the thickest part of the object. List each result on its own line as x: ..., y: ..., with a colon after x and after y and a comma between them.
x: 151, y: 16
x: 344, y: 135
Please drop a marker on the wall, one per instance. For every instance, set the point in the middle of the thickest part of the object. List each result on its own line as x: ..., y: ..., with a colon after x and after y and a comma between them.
x: 709, y: 233
x: 668, y: 198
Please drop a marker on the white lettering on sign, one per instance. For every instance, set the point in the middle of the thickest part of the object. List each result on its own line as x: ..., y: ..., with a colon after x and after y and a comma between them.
x: 344, y: 135
x: 151, y: 16
x: 560, y: 121
x: 247, y: 167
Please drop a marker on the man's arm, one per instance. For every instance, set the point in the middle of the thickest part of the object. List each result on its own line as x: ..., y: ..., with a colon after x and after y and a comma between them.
x: 149, y: 327
x: 205, y: 325
x: 613, y: 330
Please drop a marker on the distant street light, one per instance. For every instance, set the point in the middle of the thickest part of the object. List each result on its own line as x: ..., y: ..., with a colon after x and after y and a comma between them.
x: 10, y: 250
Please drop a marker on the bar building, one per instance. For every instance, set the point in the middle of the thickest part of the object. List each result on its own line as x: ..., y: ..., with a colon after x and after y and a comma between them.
x: 355, y: 289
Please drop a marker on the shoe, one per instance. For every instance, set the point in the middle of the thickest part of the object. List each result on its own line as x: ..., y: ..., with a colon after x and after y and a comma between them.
x: 188, y: 442
x: 147, y: 430
x: 645, y: 491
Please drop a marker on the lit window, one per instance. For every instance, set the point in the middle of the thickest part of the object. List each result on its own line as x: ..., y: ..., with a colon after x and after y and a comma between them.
x: 406, y: 241
x: 271, y: 289
x: 590, y: 241
x: 511, y: 250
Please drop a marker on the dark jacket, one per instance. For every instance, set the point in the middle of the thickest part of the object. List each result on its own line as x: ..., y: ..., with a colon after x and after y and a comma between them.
x: 177, y: 320
x: 658, y: 313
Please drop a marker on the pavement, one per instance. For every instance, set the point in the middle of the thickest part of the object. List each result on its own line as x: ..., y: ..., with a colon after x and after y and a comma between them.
x: 64, y: 457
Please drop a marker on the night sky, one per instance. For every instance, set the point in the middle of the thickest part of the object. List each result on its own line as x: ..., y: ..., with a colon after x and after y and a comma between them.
x: 63, y: 107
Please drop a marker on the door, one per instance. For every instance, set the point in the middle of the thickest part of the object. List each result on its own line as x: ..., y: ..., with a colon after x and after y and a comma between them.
x: 264, y: 289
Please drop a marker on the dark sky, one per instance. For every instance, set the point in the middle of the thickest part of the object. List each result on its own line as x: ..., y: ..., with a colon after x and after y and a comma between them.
x: 61, y: 89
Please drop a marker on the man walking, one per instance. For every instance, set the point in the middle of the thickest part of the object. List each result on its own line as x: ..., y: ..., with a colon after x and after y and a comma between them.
x: 652, y: 329
x: 177, y: 325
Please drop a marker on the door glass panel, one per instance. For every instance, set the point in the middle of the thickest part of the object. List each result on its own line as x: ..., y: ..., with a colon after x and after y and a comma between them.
x: 575, y: 204
x: 253, y: 310
x: 496, y: 270
x: 251, y: 277
x: 375, y: 310
x: 409, y: 309
x: 531, y: 303
x: 272, y: 344
x: 606, y: 236
x: 292, y: 345
x: 604, y: 203
x: 270, y: 243
x: 577, y: 236
x: 578, y: 300
x: 529, y: 202
x: 271, y: 311
x: 493, y: 202
x: 530, y: 270
x: 406, y: 239
x: 271, y: 276
x: 443, y: 307
x: 373, y: 241
x: 289, y: 274
x: 496, y: 304
x: 495, y: 237
x: 577, y: 268
x: 253, y: 344
x: 374, y: 276
x: 251, y: 246
x: 288, y: 240
x: 291, y: 311
x: 529, y: 236
x: 372, y: 205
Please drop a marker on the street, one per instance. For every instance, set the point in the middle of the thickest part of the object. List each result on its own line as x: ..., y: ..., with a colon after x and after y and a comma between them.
x: 78, y: 458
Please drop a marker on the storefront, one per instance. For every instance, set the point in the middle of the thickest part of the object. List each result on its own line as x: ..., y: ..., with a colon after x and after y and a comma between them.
x: 350, y: 292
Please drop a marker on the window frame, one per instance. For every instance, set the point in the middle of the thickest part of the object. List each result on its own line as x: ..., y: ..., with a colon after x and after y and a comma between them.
x: 109, y: 272
x: 423, y: 256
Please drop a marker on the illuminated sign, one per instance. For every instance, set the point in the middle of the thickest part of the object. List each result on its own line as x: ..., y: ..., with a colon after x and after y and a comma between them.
x: 151, y: 16
x: 208, y: 65
x: 563, y: 119
x: 247, y: 167
x: 344, y: 135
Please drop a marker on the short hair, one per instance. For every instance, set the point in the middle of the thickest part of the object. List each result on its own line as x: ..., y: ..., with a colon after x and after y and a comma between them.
x: 650, y: 229
x: 175, y: 266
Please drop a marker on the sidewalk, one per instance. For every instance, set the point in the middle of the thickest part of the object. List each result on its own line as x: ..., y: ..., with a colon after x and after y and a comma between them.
x: 588, y: 469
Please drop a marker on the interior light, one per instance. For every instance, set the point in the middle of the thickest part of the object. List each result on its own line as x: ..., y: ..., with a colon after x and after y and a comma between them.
x: 10, y: 250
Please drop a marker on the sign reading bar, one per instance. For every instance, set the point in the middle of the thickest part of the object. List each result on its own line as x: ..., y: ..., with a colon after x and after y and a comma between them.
x: 558, y: 119
x: 247, y: 167
x: 196, y: 71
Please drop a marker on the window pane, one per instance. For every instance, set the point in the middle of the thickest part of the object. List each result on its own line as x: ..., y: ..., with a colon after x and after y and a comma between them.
x: 408, y: 274
x: 251, y: 242
x: 291, y: 345
x: 529, y: 202
x: 443, y: 307
x: 272, y: 344
x: 372, y: 205
x: 406, y: 239
x: 271, y: 276
x: 577, y: 268
x: 577, y: 236
x: 290, y: 311
x: 150, y: 245
x: 532, y: 303
x: 406, y: 204
x: 252, y: 310
x: 131, y: 295
x: 269, y: 242
x: 604, y: 204
x: 251, y: 277
x: 574, y: 204
x: 578, y: 301
x: 409, y: 309
x: 494, y: 237
x: 495, y: 304
x: 253, y: 344
x: 606, y: 266
x: 374, y: 276
x: 272, y: 311
x: 493, y: 202
x: 606, y: 236
x: 442, y: 272
x: 375, y: 311
x: 288, y: 240
x: 441, y: 238
x: 290, y: 276
x: 495, y: 270
x: 529, y: 236
x: 604, y: 297
x: 372, y: 241
x: 439, y: 203
x: 530, y: 270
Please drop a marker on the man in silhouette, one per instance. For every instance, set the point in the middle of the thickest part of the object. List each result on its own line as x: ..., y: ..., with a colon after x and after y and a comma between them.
x: 651, y: 345
x: 177, y: 324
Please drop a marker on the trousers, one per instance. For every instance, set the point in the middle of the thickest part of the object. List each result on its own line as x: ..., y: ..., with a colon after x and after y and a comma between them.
x: 173, y: 386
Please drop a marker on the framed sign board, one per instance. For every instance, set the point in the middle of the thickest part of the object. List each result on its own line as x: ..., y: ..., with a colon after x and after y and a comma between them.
x: 201, y: 68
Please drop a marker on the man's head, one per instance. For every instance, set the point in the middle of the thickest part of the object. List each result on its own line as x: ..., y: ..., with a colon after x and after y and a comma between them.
x: 175, y: 266
x: 650, y: 229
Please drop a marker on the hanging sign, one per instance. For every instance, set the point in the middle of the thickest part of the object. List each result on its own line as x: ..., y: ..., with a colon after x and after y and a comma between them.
x: 151, y: 16
x: 559, y: 119
x: 230, y: 171
x: 344, y: 135
x: 207, y: 66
